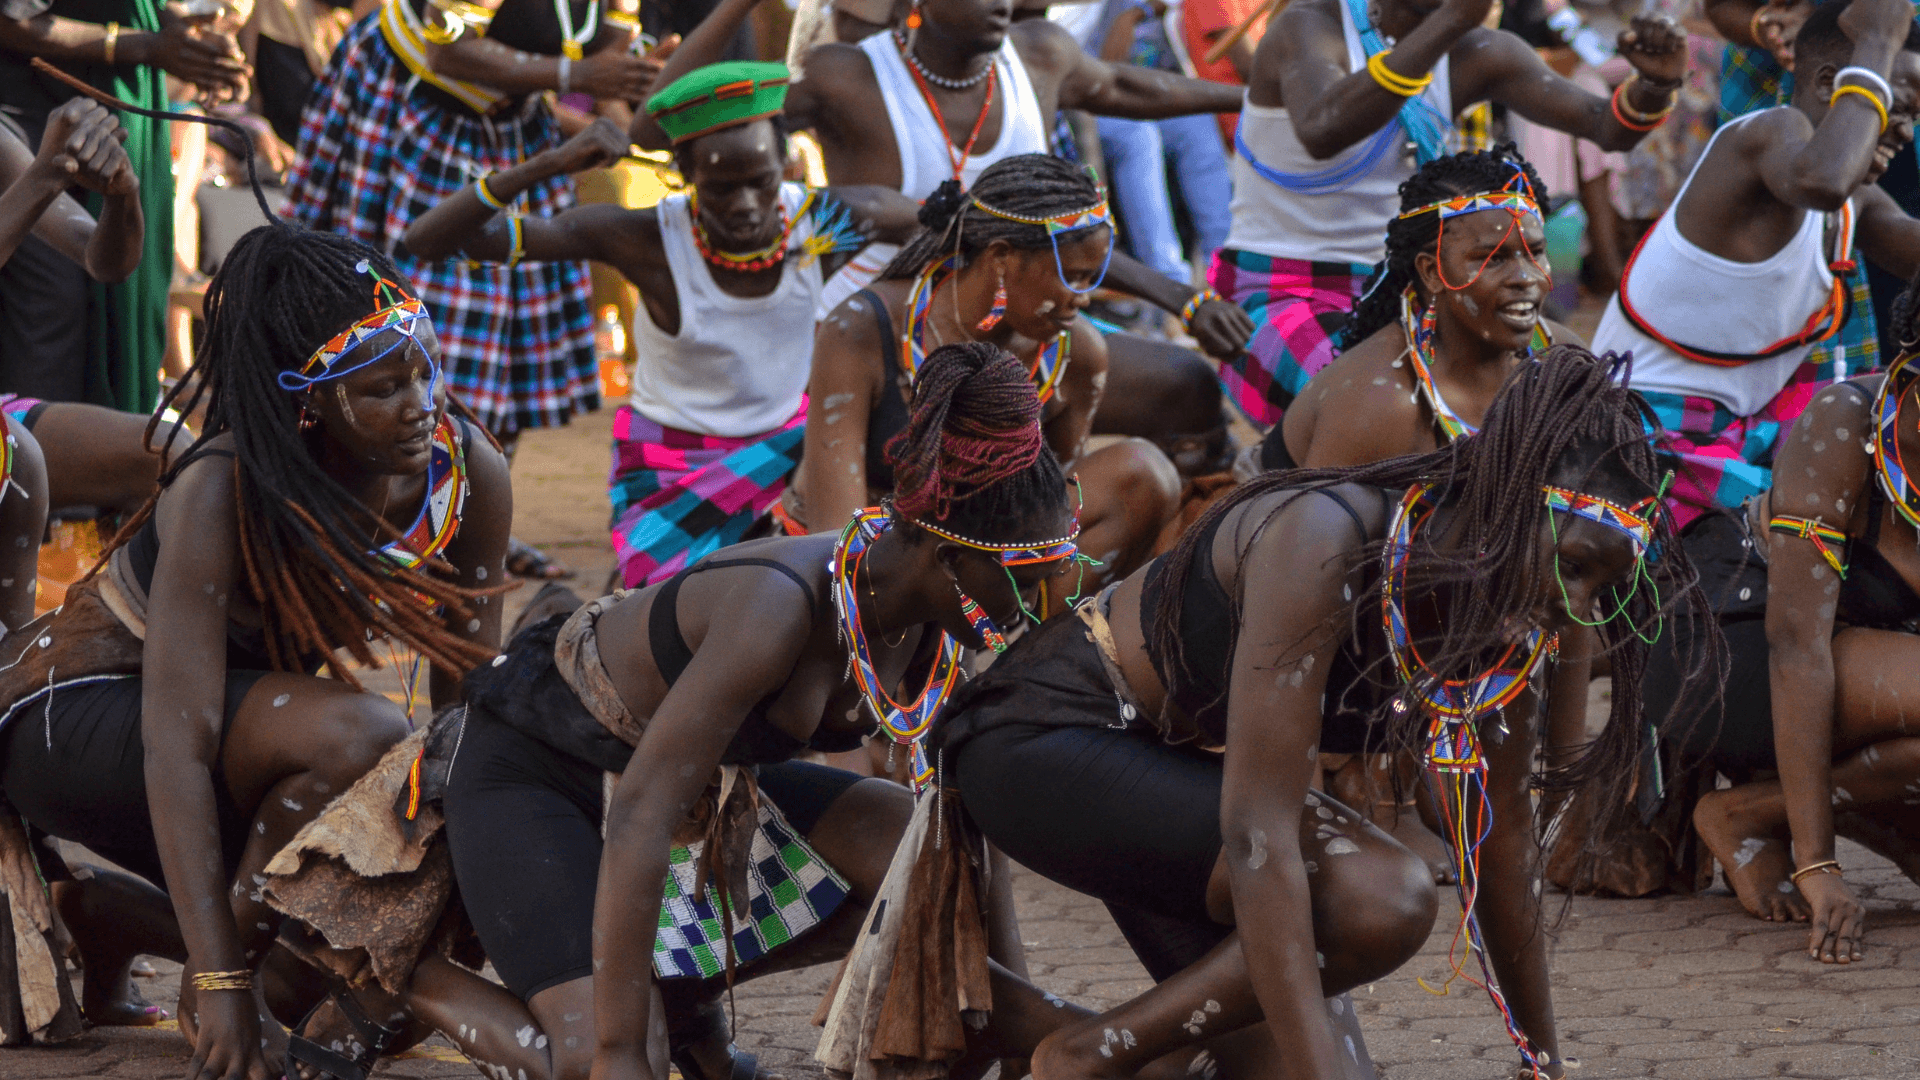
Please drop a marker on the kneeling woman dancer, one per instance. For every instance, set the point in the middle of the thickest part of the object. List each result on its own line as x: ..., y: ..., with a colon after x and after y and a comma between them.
x: 609, y: 753
x: 1084, y: 753
x: 329, y: 503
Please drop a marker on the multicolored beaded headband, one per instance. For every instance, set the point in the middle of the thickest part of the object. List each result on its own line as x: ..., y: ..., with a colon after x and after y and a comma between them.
x: 1514, y: 202
x: 397, y: 311
x: 1057, y: 225
x: 1631, y: 521
x: 1516, y: 198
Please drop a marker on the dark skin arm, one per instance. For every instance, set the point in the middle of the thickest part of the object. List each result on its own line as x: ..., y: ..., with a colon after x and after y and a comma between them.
x: 1273, y: 737
x: 1221, y: 327
x: 1104, y: 89
x: 1118, y: 43
x: 181, y: 722
x: 604, y: 73
x: 1801, y: 594
x: 479, y: 554
x: 704, y: 45
x: 845, y: 387
x: 209, y: 60
x: 82, y: 146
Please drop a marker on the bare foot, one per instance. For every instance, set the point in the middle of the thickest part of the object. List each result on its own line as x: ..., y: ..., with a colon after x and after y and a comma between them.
x: 1756, y: 861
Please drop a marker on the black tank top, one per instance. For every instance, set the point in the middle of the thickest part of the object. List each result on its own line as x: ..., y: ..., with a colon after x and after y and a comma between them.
x: 1873, y: 594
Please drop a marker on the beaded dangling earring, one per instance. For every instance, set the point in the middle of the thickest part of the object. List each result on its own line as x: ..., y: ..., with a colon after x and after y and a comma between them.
x: 307, y: 417
x: 981, y: 622
x: 999, y: 309
x: 913, y: 18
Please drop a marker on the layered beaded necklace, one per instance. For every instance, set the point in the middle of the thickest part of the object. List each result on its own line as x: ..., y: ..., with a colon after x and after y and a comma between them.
x: 1888, y: 466
x: 1049, y: 363
x: 744, y: 262
x: 906, y: 724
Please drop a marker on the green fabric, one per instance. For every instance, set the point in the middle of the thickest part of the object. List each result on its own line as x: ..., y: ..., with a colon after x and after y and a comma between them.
x: 127, y: 335
x: 719, y: 96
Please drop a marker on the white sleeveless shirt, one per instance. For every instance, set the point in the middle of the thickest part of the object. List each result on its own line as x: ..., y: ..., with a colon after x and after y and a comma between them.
x: 1704, y: 301
x: 1347, y: 226
x: 739, y: 365
x: 924, y: 157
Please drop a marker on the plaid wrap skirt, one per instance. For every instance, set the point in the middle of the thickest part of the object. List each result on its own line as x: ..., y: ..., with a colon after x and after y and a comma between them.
x: 678, y: 495
x: 1297, y: 307
x: 375, y: 153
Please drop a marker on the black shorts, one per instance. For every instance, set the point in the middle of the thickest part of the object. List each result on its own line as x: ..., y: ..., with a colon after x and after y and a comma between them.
x: 76, y: 768
x: 523, y: 826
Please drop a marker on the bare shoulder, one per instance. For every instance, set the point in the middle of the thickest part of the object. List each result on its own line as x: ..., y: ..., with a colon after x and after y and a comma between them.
x: 1562, y: 334
x: 1308, y: 22
x: 1370, y: 380
x: 1044, y: 43
x: 834, y: 69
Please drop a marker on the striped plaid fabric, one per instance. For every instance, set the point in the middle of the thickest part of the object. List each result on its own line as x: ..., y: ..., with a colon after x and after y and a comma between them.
x: 372, y: 156
x: 1719, y: 459
x: 679, y: 496
x: 790, y: 890
x: 1750, y: 80
x: 1297, y: 307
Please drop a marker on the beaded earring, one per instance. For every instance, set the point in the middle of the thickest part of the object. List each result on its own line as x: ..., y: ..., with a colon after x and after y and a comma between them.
x: 981, y: 622
x: 913, y: 18
x: 308, y: 418
x: 999, y: 309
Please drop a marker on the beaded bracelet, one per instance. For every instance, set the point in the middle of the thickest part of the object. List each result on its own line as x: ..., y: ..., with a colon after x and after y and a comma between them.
x: 223, y: 980
x: 1866, y: 95
x: 1633, y: 119
x: 486, y: 195
x: 516, y: 234
x: 1392, y: 81
x: 1830, y: 866
x: 1192, y: 306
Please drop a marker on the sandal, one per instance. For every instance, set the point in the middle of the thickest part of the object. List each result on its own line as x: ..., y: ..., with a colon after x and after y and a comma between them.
x: 373, y: 1039
x: 526, y: 561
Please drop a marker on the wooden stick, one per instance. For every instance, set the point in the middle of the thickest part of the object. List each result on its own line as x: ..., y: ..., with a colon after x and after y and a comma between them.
x: 40, y: 65
x: 1270, y: 8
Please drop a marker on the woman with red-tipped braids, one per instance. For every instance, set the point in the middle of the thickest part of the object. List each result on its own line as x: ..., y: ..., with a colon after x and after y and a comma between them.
x: 607, y: 741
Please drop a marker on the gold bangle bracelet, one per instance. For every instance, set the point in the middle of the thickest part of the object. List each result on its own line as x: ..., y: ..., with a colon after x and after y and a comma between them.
x: 113, y: 39
x: 223, y: 980
x: 1830, y: 866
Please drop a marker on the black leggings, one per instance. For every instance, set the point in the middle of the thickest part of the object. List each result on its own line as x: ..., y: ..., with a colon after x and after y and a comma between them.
x: 77, y: 769
x: 523, y: 826
x: 1116, y: 814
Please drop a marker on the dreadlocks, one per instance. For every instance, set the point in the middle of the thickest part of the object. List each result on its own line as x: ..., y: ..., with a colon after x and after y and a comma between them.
x: 971, y: 456
x: 305, y: 544
x: 1476, y: 173
x: 1029, y: 185
x: 1560, y: 415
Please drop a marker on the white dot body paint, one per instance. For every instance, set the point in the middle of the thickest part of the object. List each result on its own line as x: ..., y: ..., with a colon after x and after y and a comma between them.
x: 1467, y: 302
x: 539, y: 1042
x: 290, y: 804
x: 1256, y: 849
x: 524, y: 1036
x: 479, y: 573
x: 1750, y: 849
x: 1312, y: 799
x: 1841, y: 795
x: 713, y: 158
x: 1323, y: 814
x: 1380, y: 380
x: 1046, y: 306
x: 473, y: 626
x: 1338, y: 1006
x: 1786, y: 886
x: 282, y: 700
x: 1340, y: 845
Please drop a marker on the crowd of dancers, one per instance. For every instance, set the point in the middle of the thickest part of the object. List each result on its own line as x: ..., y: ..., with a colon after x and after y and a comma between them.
x: 925, y: 567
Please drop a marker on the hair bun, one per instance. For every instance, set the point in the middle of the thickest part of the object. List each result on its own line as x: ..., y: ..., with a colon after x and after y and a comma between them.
x: 942, y: 206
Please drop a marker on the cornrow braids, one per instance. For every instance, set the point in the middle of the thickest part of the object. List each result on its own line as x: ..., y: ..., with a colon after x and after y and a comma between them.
x: 1030, y: 185
x: 971, y: 456
x: 305, y: 543
x: 1475, y: 173
x: 1566, y: 413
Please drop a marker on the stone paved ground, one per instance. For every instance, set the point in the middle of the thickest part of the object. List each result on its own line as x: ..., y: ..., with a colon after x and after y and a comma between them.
x: 1688, y: 988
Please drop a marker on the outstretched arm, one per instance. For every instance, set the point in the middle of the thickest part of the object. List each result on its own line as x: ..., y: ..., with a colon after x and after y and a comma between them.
x: 1222, y: 328
x: 609, y: 73
x: 1506, y: 70
x: 1117, y: 89
x: 209, y: 60
x: 1886, y: 234
x: 82, y: 145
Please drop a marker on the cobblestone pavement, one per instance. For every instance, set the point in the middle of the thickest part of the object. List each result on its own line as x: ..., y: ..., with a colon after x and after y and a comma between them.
x: 1688, y: 988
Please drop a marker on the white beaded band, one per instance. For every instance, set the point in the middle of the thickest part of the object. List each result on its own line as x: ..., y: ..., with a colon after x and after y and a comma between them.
x: 1873, y: 79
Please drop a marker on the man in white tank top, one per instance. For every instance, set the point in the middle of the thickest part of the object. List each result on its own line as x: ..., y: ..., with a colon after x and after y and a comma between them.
x: 959, y: 87
x: 1339, y: 89
x: 728, y: 272
x: 1726, y: 299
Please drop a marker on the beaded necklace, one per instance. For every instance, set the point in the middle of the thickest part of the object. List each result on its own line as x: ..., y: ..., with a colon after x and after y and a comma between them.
x: 1049, y: 363
x: 751, y: 261
x: 439, y: 519
x: 956, y: 155
x: 905, y: 724
x: 1420, y: 340
x: 1888, y: 466
x: 941, y: 81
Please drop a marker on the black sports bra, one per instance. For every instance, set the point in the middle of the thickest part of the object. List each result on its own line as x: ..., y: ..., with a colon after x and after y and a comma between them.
x: 1874, y: 594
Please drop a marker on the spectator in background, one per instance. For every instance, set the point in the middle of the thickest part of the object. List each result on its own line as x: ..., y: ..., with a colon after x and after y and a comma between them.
x: 290, y: 42
x: 1136, y: 151
x: 64, y: 337
x: 1202, y: 24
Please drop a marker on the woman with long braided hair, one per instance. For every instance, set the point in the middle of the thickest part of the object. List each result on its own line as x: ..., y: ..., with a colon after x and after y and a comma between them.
x: 607, y: 741
x: 1422, y: 593
x: 1012, y: 261
x: 330, y: 512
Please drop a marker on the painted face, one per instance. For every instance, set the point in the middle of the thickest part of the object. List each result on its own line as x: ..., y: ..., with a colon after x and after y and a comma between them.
x: 976, y: 25
x: 1040, y: 303
x: 1488, y: 276
x: 383, y: 415
x: 737, y: 174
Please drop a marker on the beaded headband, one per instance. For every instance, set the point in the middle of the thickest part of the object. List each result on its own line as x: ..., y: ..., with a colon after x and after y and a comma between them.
x: 1066, y: 547
x: 1091, y: 217
x: 397, y: 311
x: 1510, y: 201
x: 1638, y: 528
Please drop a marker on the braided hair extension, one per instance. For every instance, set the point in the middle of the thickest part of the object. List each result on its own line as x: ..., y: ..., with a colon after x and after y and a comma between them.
x: 971, y: 456
x: 1566, y: 412
x: 1030, y: 185
x: 305, y: 541
x: 1476, y: 173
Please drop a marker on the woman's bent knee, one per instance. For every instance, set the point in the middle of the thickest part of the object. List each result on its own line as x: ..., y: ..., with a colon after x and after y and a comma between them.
x: 363, y: 728
x: 1374, y: 901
